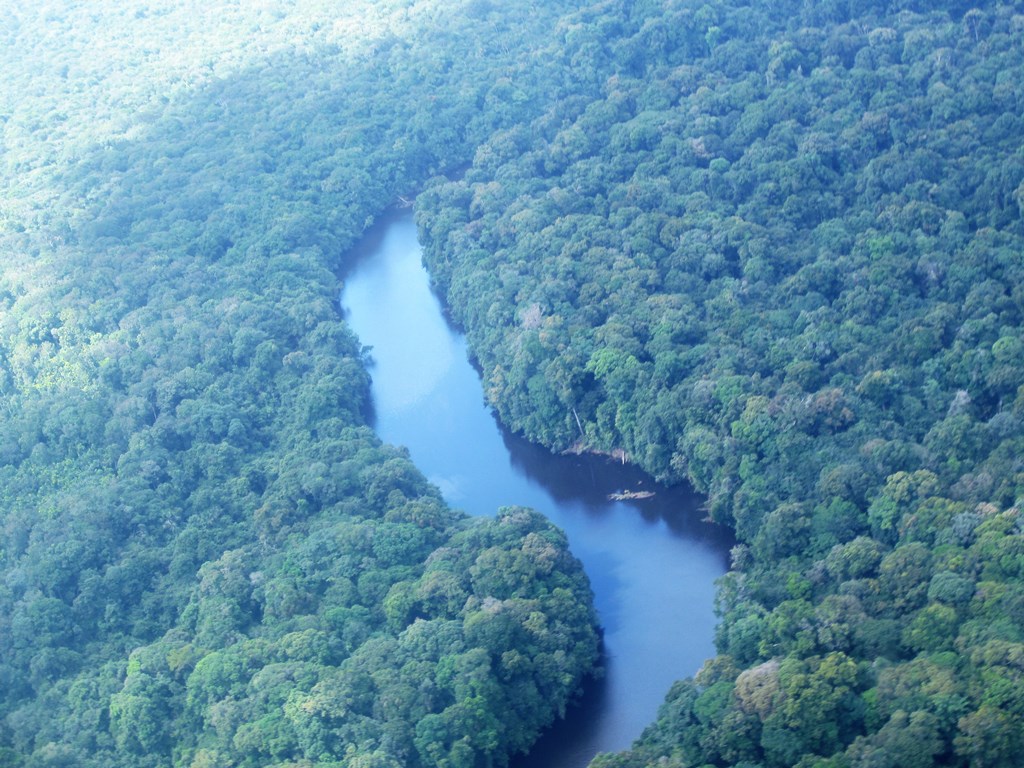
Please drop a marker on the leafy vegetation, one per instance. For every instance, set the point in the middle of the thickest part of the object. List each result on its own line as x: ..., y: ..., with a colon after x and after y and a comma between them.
x: 208, y: 559
x: 780, y: 256
x: 770, y: 248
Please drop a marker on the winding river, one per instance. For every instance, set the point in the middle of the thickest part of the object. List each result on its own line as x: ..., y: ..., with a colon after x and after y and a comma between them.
x: 652, y: 563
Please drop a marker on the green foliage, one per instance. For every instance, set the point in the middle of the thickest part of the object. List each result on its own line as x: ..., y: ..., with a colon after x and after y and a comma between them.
x: 207, y: 556
x: 772, y: 248
x: 778, y: 255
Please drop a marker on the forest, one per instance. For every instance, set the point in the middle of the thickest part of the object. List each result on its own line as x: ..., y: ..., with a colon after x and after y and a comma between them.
x: 208, y: 557
x: 781, y: 256
x: 772, y: 249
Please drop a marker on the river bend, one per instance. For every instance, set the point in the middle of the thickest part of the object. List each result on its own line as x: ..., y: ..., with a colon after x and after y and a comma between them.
x: 652, y: 563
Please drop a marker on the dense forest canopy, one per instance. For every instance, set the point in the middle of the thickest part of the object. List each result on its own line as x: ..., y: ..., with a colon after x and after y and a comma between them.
x: 782, y: 256
x: 207, y: 556
x: 774, y: 249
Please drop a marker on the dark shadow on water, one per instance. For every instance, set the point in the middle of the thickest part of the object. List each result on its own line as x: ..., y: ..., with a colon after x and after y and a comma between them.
x: 561, y: 743
x: 371, y: 241
x: 592, y: 478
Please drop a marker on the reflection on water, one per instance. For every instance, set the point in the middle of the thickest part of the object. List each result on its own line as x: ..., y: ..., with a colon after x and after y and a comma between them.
x: 652, y: 562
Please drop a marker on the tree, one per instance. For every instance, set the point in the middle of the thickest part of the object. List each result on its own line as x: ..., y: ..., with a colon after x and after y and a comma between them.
x: 987, y: 737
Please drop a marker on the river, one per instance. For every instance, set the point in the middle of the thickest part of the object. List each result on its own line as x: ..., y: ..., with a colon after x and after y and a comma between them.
x: 652, y: 563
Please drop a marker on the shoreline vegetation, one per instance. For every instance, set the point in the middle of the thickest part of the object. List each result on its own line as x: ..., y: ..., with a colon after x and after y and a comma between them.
x: 780, y: 257
x: 771, y: 248
x: 579, y: 448
x: 208, y: 559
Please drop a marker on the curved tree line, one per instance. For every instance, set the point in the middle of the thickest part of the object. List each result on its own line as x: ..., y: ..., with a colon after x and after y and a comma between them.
x: 208, y: 558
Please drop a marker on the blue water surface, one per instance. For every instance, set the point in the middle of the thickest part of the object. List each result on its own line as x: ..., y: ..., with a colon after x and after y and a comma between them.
x: 652, y: 563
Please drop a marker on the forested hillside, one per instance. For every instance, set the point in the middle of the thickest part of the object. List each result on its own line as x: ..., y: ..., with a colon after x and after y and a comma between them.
x: 207, y: 557
x: 772, y: 248
x: 782, y: 256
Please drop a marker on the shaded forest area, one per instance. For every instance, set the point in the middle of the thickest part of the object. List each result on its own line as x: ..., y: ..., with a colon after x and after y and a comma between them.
x: 208, y: 558
x: 774, y: 249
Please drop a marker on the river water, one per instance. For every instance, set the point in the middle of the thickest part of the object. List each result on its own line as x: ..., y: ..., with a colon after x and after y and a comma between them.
x: 651, y: 563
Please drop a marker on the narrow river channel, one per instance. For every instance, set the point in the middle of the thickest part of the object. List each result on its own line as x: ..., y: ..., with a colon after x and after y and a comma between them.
x: 652, y: 563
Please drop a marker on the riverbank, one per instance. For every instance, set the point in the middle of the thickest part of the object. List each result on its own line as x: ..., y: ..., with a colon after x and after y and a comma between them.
x: 652, y: 562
